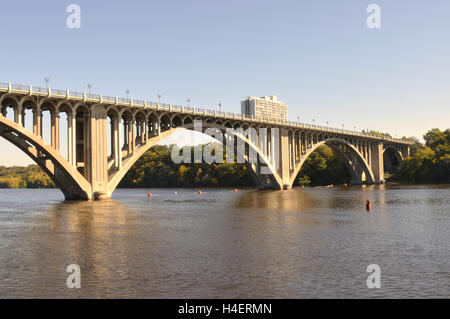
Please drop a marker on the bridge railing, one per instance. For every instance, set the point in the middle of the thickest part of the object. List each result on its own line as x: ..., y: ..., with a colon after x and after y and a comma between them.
x: 20, y: 87
x: 59, y: 92
x: 123, y: 100
x: 93, y: 96
x: 109, y: 98
x: 76, y: 94
x: 40, y: 89
x: 150, y: 103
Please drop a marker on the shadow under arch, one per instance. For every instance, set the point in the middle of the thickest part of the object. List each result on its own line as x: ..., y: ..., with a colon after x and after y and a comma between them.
x: 333, y: 143
x: 73, y: 185
x: 395, y: 151
x: 392, y: 158
x: 274, y: 177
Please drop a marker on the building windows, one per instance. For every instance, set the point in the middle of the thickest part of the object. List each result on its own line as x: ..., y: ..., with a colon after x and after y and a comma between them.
x: 266, y: 107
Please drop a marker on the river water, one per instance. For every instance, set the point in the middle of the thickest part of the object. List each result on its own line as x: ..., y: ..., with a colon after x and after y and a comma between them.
x: 302, y: 243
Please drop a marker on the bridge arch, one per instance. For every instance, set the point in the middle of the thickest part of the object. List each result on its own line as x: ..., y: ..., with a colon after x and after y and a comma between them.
x: 165, y: 122
x: 350, y: 151
x: 392, y: 158
x: 272, y: 178
x: 395, y: 151
x: 66, y: 177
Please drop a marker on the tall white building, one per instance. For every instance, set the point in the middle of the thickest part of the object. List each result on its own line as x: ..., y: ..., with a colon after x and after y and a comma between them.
x: 264, y: 107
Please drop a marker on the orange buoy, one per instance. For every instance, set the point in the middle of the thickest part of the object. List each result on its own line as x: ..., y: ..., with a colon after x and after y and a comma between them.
x: 345, y: 185
x: 303, y: 186
x: 199, y: 192
x: 331, y: 185
x: 149, y: 195
x: 368, y: 205
x: 235, y: 190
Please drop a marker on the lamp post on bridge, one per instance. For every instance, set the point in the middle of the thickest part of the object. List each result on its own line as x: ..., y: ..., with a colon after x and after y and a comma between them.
x: 127, y: 92
x: 159, y: 99
x: 46, y: 82
x: 220, y: 106
x: 89, y: 88
x: 189, y: 102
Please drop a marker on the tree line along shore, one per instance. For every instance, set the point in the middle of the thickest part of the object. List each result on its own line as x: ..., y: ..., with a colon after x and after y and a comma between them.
x: 428, y: 163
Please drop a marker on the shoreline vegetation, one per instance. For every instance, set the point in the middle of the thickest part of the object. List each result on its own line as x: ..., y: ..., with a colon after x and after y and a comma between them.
x: 429, y: 163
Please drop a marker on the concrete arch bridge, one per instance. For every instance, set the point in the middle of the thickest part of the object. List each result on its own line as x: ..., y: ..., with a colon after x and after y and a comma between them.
x: 98, y: 155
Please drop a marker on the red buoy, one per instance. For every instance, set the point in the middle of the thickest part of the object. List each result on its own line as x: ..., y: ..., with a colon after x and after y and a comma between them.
x: 235, y: 190
x: 149, y: 195
x: 368, y: 205
x: 199, y: 192
x: 303, y: 186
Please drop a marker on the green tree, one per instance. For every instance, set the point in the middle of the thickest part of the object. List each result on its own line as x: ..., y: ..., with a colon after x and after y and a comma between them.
x: 429, y: 164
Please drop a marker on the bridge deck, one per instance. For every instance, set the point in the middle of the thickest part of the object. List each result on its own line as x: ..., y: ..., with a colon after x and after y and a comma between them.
x: 150, y: 105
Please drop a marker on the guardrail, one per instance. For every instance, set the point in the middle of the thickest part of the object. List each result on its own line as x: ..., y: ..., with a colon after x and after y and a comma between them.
x: 110, y: 99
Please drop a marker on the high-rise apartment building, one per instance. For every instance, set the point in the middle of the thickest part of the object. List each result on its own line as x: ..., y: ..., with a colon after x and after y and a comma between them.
x: 264, y: 107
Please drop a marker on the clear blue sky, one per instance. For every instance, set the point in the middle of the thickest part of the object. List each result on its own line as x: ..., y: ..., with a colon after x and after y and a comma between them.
x: 318, y: 56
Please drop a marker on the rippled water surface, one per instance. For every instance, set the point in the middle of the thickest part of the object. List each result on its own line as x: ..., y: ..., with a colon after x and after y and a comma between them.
x: 315, y: 242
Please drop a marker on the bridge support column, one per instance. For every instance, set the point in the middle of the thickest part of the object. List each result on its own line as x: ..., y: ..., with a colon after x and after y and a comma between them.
x: 18, y: 115
x: 115, y: 151
x: 70, y: 138
x: 377, y: 164
x: 74, y: 139
x: 97, y: 152
x: 146, y: 131
x: 284, y: 156
x: 133, y: 134
x: 55, y: 131
x: 405, y: 150
x: 37, y: 118
x: 119, y: 142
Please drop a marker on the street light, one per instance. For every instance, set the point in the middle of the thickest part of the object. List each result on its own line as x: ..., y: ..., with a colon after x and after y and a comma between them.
x: 89, y: 88
x: 159, y: 98
x: 220, y: 106
x: 189, y: 102
x: 46, y: 81
x: 127, y: 92
x: 298, y: 119
x: 327, y: 123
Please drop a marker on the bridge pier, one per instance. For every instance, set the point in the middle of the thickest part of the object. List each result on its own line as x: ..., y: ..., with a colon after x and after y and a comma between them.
x: 97, y: 151
x: 377, y: 164
x: 285, y: 146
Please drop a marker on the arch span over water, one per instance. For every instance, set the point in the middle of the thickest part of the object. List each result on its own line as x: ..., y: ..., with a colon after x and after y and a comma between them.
x: 99, y: 154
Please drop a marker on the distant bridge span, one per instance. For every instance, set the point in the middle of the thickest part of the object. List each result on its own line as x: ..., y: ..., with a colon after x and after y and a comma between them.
x: 89, y: 171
